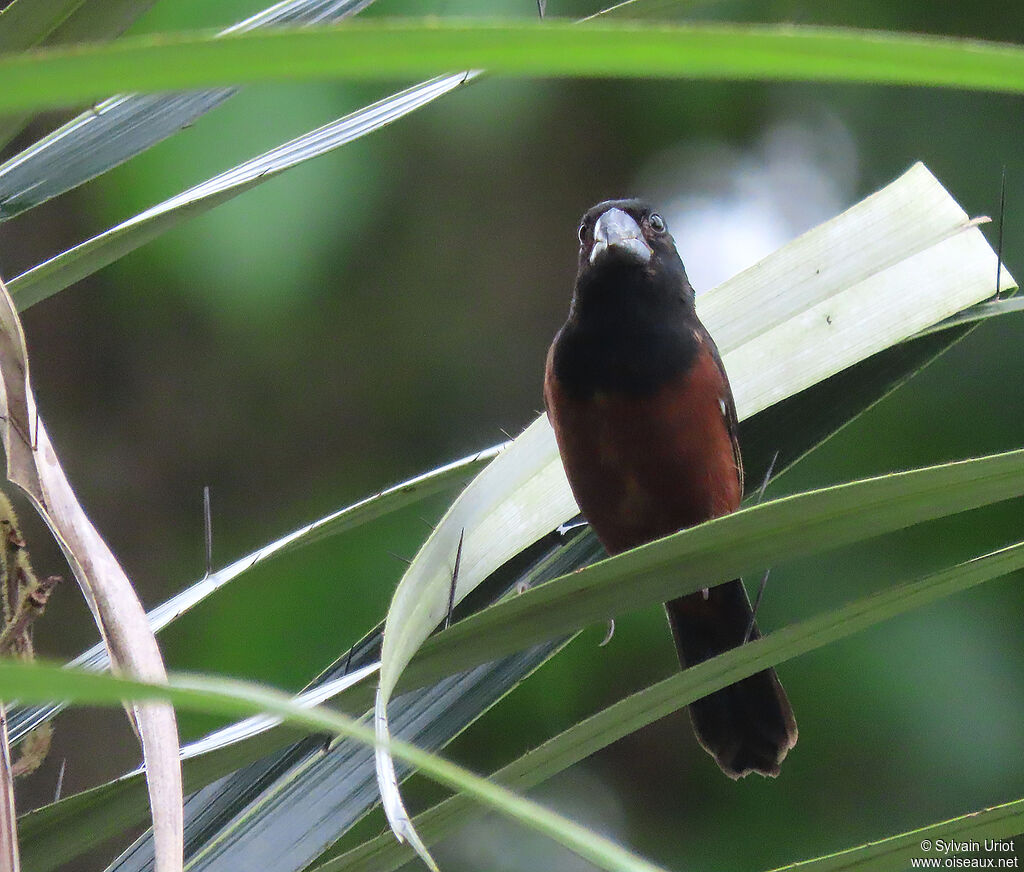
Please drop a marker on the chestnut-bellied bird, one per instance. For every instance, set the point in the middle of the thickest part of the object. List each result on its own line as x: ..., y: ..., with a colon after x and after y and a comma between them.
x: 646, y: 427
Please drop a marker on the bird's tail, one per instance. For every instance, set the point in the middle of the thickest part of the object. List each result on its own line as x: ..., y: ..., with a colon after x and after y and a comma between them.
x: 748, y: 726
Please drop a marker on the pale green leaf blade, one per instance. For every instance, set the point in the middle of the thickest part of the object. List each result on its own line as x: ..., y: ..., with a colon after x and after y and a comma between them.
x: 981, y: 312
x: 726, y: 548
x: 123, y: 126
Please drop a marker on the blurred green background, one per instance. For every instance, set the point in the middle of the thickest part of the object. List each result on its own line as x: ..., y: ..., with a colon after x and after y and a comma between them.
x: 387, y: 308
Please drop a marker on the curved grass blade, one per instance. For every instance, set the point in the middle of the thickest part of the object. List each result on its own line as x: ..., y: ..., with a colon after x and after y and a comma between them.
x: 120, y: 127
x: 32, y: 465
x: 86, y: 258
x: 24, y: 24
x: 896, y: 852
x: 639, y: 709
x: 221, y: 696
x: 301, y: 800
x: 384, y: 49
x: 362, y: 512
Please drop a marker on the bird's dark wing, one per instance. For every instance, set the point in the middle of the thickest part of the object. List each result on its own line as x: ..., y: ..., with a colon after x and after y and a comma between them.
x: 731, y: 420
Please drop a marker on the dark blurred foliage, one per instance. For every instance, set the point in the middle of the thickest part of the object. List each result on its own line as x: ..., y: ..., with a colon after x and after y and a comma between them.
x: 387, y: 308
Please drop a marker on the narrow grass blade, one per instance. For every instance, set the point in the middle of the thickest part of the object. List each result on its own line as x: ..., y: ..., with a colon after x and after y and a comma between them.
x: 646, y: 706
x: 122, y: 126
x: 86, y: 258
x: 24, y: 24
x: 33, y: 466
x: 234, y: 698
x: 299, y: 801
x: 366, y: 510
x: 896, y: 852
x: 889, y: 267
x: 387, y: 49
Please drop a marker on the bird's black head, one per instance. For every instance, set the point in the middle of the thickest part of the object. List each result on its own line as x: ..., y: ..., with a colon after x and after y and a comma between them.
x: 632, y: 323
x: 628, y: 258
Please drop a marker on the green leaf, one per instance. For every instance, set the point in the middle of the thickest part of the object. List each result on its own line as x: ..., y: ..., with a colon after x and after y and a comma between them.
x: 86, y: 258
x: 298, y: 789
x: 124, y: 126
x: 722, y: 549
x: 39, y: 683
x: 385, y: 49
x: 27, y: 23
x: 120, y: 127
x: 646, y: 706
x: 981, y: 312
x: 366, y: 510
x: 896, y: 852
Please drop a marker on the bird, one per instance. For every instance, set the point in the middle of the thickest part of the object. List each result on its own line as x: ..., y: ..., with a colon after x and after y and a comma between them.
x: 646, y: 427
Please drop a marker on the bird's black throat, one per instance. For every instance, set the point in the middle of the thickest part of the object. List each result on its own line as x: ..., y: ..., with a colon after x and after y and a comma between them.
x: 630, y: 331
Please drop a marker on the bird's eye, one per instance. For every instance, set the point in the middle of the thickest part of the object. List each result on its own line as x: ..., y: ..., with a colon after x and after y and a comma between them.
x: 582, y: 233
x: 656, y: 222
